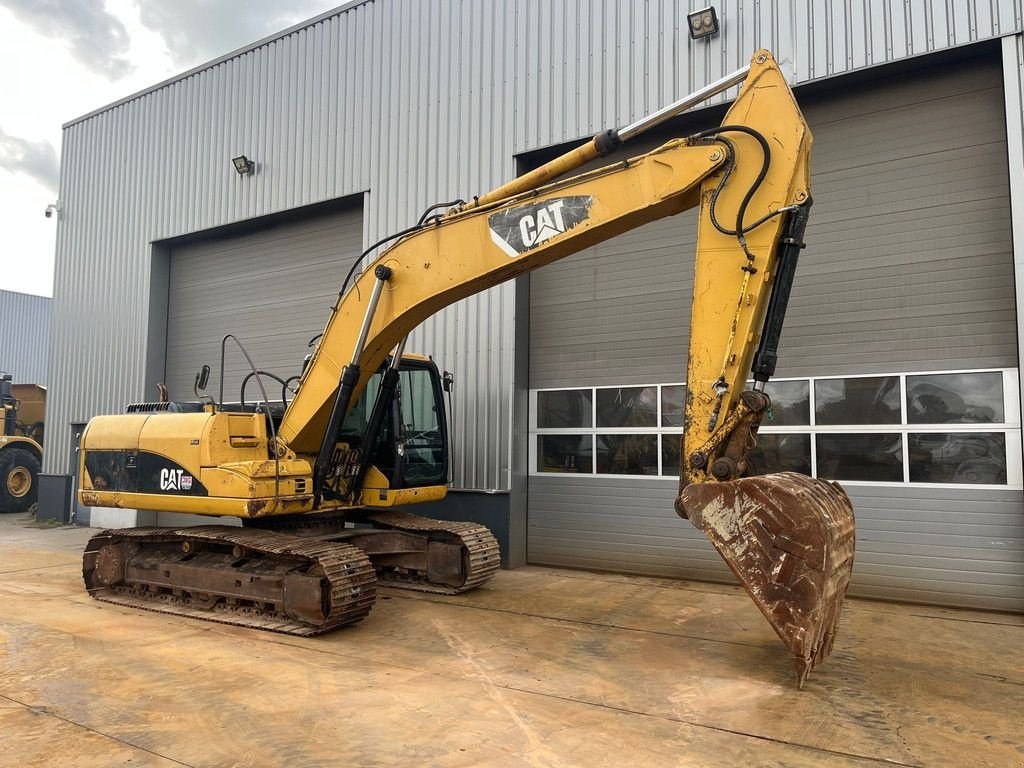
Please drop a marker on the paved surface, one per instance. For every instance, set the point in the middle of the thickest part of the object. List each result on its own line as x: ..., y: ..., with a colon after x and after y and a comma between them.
x: 542, y: 667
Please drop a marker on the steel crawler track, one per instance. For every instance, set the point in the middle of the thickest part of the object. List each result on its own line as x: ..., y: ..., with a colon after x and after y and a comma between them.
x: 319, y: 586
x: 481, y: 555
x: 300, y: 578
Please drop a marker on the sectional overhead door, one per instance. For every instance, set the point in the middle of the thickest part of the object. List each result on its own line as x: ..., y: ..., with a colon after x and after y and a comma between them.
x: 900, y: 351
x: 273, y: 288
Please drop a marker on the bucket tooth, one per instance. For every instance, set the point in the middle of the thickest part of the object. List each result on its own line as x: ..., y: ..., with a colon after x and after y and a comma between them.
x: 789, y: 539
x: 803, y: 669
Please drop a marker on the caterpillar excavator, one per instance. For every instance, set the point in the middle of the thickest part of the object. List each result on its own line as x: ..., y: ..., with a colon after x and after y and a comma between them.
x: 320, y: 484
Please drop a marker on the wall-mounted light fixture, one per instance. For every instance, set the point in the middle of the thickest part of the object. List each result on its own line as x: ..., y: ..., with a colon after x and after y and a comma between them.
x: 243, y: 165
x: 703, y: 23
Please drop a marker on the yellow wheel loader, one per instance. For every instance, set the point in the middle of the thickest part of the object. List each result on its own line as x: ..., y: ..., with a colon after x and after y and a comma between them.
x: 320, y: 484
x: 22, y: 409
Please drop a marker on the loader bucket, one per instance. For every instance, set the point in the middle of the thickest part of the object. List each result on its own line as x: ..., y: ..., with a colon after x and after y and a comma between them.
x: 789, y: 539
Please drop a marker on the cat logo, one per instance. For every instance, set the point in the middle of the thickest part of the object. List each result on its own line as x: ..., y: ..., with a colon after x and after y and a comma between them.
x: 546, y: 224
x: 175, y: 480
x: 525, y: 227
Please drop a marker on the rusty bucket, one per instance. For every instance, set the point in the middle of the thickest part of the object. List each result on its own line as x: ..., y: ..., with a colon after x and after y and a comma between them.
x: 789, y: 539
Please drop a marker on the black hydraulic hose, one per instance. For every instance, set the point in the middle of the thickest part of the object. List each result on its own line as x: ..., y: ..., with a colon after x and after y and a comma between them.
x: 730, y: 166
x: 765, y: 164
x: 423, y: 221
x: 284, y: 388
x: 248, y: 376
x: 364, y: 254
x: 450, y: 204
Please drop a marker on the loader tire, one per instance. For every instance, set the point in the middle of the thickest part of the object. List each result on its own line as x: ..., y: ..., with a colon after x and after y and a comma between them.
x: 19, y: 480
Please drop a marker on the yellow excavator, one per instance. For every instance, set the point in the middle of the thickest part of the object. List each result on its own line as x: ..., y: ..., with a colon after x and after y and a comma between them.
x: 318, y: 481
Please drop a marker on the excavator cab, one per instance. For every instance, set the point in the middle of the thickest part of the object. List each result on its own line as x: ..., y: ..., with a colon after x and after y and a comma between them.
x: 411, y: 445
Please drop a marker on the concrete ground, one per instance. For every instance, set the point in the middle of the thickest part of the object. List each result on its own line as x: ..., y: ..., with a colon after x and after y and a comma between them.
x: 542, y: 667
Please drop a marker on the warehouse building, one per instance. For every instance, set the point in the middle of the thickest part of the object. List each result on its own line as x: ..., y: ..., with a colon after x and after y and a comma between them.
x: 235, y: 197
x: 25, y: 336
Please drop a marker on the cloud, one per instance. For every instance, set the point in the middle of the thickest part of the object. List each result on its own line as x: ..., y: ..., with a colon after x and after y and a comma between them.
x: 94, y: 36
x: 197, y: 31
x: 37, y: 159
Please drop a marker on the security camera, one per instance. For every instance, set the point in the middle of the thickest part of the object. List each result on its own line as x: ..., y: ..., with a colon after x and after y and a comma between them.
x: 50, y: 209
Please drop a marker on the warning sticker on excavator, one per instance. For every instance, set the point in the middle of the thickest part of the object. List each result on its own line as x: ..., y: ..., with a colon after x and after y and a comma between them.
x: 525, y: 227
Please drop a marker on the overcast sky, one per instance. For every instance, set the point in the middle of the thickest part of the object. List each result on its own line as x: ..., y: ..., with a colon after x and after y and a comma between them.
x: 63, y: 58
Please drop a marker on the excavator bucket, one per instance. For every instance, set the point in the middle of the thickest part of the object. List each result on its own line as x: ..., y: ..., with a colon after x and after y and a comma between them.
x: 789, y: 539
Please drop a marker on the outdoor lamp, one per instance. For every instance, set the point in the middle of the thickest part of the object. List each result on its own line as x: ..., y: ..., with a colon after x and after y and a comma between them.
x: 243, y: 165
x: 703, y: 23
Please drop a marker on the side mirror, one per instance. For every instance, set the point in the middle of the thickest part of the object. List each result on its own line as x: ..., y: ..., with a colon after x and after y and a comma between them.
x: 447, y: 381
x: 202, y: 379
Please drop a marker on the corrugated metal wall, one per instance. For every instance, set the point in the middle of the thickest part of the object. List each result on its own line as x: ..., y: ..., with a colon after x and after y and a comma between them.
x: 952, y: 546
x: 25, y: 336
x: 583, y: 66
x: 415, y: 102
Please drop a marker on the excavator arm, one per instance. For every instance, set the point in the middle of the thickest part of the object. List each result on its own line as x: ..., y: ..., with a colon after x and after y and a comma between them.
x: 788, y: 538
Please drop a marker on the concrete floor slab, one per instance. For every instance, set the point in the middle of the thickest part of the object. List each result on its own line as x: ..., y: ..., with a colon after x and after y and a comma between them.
x: 541, y: 667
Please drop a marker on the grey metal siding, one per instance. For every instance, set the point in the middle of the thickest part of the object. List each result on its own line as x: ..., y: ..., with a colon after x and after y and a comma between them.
x: 909, y: 263
x: 616, y: 524
x: 273, y: 289
x: 25, y: 336
x: 909, y: 266
x: 595, y: 65
x: 416, y: 102
x: 955, y: 546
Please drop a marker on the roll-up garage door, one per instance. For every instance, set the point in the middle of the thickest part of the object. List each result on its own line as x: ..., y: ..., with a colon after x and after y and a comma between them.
x: 900, y: 340
x: 273, y: 288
